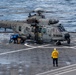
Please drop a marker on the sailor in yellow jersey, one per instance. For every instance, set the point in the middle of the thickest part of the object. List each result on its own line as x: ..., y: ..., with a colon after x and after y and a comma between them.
x: 54, y: 56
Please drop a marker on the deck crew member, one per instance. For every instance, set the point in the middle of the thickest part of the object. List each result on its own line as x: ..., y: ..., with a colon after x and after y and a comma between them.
x: 54, y: 56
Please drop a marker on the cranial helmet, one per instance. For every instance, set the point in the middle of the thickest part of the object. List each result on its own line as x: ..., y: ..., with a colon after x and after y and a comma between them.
x: 55, y: 49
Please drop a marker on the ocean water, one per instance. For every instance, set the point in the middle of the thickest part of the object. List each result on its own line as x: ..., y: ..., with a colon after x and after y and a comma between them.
x: 64, y: 10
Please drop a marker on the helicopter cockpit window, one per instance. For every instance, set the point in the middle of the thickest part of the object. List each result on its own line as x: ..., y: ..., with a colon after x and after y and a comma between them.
x: 19, y: 28
x: 61, y: 28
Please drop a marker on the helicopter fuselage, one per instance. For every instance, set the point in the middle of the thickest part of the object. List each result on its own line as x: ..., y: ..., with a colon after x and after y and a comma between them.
x: 38, y: 28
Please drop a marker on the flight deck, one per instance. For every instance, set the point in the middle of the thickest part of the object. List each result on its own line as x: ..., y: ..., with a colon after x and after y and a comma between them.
x: 32, y: 59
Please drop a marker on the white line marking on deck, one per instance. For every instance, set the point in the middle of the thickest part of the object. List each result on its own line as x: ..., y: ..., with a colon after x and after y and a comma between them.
x: 32, y: 47
x: 56, y: 69
x: 74, y: 47
x: 65, y: 72
x: 68, y: 63
x: 37, y: 46
x: 16, y: 51
x: 22, y: 50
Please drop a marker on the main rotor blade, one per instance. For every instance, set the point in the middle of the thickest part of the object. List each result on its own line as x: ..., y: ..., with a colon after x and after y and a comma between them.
x: 26, y: 12
x: 49, y: 11
x: 16, y: 12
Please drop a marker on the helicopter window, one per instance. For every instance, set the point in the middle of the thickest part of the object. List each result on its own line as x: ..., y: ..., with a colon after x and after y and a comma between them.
x: 27, y: 28
x: 33, y: 30
x: 44, y: 30
x: 19, y: 28
x: 61, y: 28
x: 40, y: 30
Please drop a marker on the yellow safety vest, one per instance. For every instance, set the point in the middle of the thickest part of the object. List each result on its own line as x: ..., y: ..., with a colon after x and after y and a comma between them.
x: 55, y: 54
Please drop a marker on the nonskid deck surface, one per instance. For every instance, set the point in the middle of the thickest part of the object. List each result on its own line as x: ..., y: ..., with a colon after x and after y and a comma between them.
x: 38, y: 58
x: 31, y: 59
x: 68, y: 70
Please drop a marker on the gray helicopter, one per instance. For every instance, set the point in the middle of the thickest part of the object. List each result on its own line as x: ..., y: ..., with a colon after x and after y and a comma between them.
x: 39, y: 28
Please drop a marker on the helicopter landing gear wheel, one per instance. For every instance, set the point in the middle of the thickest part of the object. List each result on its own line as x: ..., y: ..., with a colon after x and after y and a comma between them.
x: 68, y: 41
x: 58, y: 43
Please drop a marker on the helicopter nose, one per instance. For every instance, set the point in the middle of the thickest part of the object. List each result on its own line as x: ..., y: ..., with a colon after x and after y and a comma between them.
x: 67, y: 36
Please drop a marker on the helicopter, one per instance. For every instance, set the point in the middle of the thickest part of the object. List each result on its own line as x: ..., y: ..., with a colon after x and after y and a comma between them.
x: 39, y: 28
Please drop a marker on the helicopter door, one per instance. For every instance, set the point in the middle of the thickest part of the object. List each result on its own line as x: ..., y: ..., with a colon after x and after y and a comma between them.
x: 26, y: 31
x: 46, y: 34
